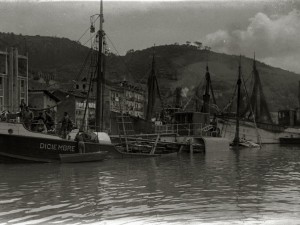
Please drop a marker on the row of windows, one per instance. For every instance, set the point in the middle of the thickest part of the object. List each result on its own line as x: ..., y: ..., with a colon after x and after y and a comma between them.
x: 22, y: 84
x: 22, y: 90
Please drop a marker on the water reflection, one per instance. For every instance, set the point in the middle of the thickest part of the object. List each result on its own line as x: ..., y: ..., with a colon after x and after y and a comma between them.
x: 228, y: 187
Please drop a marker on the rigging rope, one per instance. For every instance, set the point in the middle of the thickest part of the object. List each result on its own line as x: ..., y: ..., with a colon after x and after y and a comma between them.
x: 124, y: 62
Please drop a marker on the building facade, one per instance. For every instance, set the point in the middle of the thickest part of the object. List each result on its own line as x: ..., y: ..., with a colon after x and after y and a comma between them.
x: 121, y: 96
x: 130, y: 99
x: 13, y: 79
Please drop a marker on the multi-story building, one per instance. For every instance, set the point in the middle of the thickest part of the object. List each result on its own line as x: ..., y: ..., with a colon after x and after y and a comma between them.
x: 130, y: 99
x: 13, y: 79
x: 121, y: 96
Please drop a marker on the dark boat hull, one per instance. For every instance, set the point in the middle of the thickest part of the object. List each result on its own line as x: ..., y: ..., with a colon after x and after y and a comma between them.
x: 83, y: 157
x: 25, y: 149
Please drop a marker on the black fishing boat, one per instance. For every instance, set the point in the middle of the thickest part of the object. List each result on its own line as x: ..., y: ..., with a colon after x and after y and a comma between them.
x: 21, y: 145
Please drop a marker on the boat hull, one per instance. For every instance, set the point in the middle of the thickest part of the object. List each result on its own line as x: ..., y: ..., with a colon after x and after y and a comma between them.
x: 269, y: 134
x: 82, y: 157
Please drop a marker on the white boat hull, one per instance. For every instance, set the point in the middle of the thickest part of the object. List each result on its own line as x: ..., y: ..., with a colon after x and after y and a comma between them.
x: 247, y: 130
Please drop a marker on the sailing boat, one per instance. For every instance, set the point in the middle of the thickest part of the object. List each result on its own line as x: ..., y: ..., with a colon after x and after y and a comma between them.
x: 20, y: 145
x: 254, y: 123
x: 237, y: 141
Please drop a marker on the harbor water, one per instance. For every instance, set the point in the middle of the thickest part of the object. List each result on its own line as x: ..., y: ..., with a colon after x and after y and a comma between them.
x: 247, y: 186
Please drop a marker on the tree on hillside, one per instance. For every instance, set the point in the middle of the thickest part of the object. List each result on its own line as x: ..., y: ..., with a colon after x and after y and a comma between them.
x: 130, y: 51
x: 188, y: 42
x: 199, y: 44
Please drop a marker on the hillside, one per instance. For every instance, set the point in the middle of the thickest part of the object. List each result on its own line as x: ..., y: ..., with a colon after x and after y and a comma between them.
x: 176, y: 65
x: 185, y: 66
x: 48, y: 54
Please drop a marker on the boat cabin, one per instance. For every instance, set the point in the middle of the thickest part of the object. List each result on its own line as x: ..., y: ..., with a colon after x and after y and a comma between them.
x: 288, y: 117
x: 187, y: 123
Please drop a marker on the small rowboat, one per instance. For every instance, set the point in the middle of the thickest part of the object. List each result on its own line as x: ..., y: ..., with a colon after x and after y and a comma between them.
x: 82, y: 157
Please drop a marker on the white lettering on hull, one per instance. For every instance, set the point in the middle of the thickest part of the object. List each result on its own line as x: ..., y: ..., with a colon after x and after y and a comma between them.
x: 66, y: 148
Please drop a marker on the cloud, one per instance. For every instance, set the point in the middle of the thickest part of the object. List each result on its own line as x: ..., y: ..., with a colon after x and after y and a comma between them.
x: 275, y: 40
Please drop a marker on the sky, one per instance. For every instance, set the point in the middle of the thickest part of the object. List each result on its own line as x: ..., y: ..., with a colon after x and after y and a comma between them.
x: 271, y: 29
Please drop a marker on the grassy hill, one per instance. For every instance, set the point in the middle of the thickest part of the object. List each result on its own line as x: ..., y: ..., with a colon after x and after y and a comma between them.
x: 185, y: 66
x: 176, y: 66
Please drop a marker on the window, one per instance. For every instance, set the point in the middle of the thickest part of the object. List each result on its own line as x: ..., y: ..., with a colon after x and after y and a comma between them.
x: 77, y: 86
x: 1, y: 101
x: 83, y: 86
x: 1, y: 83
x: 22, y: 86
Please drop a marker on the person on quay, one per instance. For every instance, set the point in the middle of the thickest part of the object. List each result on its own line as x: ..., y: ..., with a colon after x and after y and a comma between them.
x: 64, y: 125
x: 28, y: 117
x: 49, y: 122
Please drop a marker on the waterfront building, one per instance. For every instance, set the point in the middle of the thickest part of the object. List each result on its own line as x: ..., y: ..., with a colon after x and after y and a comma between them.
x: 13, y: 79
x: 120, y: 95
x: 129, y: 98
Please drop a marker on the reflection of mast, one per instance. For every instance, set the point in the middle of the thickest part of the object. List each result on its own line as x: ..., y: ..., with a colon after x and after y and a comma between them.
x: 237, y: 131
x: 99, y: 94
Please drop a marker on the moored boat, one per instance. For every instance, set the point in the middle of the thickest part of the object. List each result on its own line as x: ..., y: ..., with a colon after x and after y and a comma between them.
x: 254, y: 121
x: 83, y: 157
x: 22, y: 145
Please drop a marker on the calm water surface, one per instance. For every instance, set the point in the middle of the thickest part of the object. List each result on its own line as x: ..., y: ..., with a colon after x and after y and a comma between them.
x: 249, y: 186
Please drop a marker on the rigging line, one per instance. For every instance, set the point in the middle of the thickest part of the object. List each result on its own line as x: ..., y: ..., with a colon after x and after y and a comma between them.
x: 89, y: 39
x: 256, y: 129
x: 82, y: 67
x: 4, y: 41
x: 18, y: 42
x: 124, y: 62
x: 83, y: 34
x: 140, y: 81
x: 88, y: 29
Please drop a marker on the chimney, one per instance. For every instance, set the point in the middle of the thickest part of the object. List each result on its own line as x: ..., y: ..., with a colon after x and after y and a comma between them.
x: 16, y: 100
x: 178, y: 97
x: 10, y: 78
x: 299, y: 95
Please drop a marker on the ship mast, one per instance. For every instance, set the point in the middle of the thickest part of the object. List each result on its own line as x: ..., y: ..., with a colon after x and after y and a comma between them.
x: 237, y: 131
x: 206, y: 96
x: 151, y: 89
x: 99, y: 79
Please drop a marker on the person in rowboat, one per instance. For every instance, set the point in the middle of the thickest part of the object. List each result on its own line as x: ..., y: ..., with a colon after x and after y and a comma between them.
x: 79, y: 139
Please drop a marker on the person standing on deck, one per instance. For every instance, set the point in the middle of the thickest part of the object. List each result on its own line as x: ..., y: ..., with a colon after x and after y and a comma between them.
x: 49, y: 122
x: 27, y: 118
x: 64, y: 125
x: 79, y: 139
x: 22, y: 108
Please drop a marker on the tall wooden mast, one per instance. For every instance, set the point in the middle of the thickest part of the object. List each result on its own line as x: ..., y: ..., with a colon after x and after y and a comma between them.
x: 99, y: 79
x: 151, y: 89
x: 237, y: 131
x: 206, y: 96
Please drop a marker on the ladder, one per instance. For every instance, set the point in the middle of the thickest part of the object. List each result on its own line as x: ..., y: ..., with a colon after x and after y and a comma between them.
x: 125, y: 128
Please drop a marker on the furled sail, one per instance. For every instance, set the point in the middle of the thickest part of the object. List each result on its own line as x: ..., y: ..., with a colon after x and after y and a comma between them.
x: 257, y: 104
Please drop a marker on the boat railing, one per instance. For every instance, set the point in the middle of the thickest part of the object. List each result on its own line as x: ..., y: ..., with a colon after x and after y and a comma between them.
x: 188, y: 129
